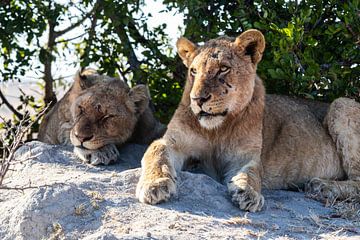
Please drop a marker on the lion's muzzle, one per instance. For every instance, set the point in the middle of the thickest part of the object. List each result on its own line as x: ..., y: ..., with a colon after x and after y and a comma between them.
x: 206, y: 114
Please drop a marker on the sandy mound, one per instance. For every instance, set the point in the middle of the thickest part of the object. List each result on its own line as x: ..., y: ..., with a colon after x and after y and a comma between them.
x: 65, y: 199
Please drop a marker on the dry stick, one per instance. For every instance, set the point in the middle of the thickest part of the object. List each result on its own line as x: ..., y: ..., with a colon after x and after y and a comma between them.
x: 23, y: 127
x: 21, y: 189
x: 9, y: 106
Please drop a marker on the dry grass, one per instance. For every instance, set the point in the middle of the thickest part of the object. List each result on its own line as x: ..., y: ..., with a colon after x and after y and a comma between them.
x: 57, y: 232
x: 238, y: 221
x: 241, y: 221
x: 348, y: 209
x: 337, y: 235
x: 95, y: 204
x: 96, y: 196
x: 84, y: 208
x: 258, y: 235
x: 323, y: 223
x: 80, y: 209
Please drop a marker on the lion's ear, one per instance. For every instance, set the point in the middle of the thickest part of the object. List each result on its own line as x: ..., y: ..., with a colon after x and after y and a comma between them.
x: 140, y: 96
x: 252, y: 42
x: 81, y: 80
x: 185, y: 49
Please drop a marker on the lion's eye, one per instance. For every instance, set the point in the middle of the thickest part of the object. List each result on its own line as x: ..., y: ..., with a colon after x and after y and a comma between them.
x: 193, y: 71
x: 106, y: 117
x: 224, y: 69
x: 81, y: 110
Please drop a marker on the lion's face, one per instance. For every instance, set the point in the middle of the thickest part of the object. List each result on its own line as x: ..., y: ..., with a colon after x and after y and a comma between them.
x: 106, y: 114
x: 222, y: 75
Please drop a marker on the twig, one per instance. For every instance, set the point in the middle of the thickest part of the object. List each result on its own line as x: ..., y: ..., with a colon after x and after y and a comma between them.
x: 123, y: 73
x: 70, y: 39
x: 26, y: 160
x: 23, y: 188
x: 91, y: 35
x: 8, y: 105
x: 78, y: 23
x: 9, y: 149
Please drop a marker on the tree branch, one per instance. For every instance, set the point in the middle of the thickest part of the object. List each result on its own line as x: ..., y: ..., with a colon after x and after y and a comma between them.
x: 135, y: 34
x: 178, y: 73
x: 9, y: 106
x: 70, y: 39
x: 121, y: 32
x: 78, y: 23
x: 91, y: 36
x: 50, y: 97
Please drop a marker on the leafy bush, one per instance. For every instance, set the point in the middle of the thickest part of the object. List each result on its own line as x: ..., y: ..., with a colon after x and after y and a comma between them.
x: 312, y: 46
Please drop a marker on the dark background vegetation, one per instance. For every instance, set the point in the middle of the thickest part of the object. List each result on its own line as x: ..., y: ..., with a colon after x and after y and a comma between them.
x: 312, y: 46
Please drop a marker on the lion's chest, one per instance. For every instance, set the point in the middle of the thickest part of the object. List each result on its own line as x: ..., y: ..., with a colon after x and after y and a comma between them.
x: 217, y: 157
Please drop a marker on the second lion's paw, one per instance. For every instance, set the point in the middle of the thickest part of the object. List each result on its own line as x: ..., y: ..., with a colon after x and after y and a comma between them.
x: 104, y: 155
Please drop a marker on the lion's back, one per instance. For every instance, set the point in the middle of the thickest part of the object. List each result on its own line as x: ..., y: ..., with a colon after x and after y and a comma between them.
x: 55, y: 126
x: 295, y: 141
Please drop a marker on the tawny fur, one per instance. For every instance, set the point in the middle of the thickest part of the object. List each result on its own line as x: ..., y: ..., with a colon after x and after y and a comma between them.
x: 99, y: 113
x: 223, y: 121
x: 56, y: 125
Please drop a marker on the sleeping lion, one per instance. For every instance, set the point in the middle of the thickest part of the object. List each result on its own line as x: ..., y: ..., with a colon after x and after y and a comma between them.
x: 248, y: 141
x: 99, y: 114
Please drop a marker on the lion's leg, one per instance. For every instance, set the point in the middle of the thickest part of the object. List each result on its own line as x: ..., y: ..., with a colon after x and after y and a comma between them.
x: 158, y: 177
x: 343, y: 124
x: 244, y: 186
x: 332, y: 190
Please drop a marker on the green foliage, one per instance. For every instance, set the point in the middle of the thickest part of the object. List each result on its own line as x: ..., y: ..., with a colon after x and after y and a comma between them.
x: 312, y: 46
x: 16, y: 21
x: 126, y: 45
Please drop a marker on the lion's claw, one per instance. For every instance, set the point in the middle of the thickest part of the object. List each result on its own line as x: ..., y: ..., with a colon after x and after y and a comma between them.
x: 246, y: 198
x: 104, y: 155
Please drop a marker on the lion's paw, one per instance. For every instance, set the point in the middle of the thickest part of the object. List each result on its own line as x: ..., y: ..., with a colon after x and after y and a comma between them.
x: 155, y: 191
x: 322, y: 190
x: 246, y: 198
x: 104, y: 155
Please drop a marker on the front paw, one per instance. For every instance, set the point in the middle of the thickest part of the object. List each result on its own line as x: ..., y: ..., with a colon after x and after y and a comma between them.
x: 104, y: 155
x: 155, y: 191
x: 246, y: 198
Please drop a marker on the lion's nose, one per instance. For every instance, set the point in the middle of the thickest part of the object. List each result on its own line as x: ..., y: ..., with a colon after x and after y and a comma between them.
x: 201, y: 100
x: 83, y: 138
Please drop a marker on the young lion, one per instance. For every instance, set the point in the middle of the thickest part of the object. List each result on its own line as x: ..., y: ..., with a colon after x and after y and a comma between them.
x: 99, y: 113
x: 57, y: 123
x: 223, y: 122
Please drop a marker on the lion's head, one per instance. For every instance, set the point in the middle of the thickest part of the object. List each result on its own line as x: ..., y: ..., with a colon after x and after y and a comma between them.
x: 107, y: 113
x: 221, y: 74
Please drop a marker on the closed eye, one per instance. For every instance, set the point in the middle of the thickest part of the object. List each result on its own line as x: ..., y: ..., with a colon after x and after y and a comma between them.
x: 81, y: 110
x: 107, y: 117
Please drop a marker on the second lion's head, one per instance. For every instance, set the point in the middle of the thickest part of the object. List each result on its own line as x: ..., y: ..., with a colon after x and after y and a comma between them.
x: 106, y: 113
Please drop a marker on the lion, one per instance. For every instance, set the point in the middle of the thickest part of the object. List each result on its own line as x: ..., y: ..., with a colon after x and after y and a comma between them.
x: 56, y: 125
x: 98, y: 115
x: 248, y: 140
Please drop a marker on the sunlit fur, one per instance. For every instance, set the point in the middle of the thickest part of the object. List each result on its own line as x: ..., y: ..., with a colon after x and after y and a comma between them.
x: 247, y: 144
x: 99, y: 111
